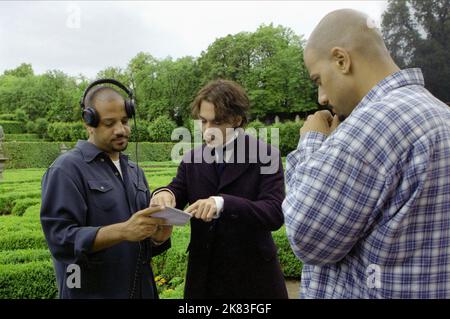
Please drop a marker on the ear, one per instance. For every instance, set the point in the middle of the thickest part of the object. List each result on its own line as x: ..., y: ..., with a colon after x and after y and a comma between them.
x: 341, y: 59
x: 89, y: 129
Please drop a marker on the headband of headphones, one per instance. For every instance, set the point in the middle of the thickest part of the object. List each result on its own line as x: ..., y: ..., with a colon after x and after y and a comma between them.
x: 105, y: 81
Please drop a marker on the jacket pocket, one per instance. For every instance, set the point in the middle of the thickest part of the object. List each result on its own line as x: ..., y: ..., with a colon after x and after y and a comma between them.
x: 101, y: 193
x: 141, y: 195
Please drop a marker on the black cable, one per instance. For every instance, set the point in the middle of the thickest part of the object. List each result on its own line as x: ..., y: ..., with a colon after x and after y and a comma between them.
x: 137, y: 272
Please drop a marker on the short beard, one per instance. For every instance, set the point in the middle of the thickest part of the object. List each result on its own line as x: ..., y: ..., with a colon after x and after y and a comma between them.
x: 121, y: 149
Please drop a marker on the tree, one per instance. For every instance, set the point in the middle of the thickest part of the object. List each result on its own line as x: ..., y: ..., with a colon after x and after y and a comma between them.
x: 164, y: 87
x: 116, y: 74
x: 417, y: 34
x: 268, y: 64
x: 21, y: 71
x: 53, y: 95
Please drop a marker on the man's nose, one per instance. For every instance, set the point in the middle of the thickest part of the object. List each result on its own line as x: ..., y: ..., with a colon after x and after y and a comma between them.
x: 119, y: 129
x: 323, y: 99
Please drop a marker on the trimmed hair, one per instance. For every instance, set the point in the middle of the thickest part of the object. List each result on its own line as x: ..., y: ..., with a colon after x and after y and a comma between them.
x: 229, y: 98
x: 101, y: 90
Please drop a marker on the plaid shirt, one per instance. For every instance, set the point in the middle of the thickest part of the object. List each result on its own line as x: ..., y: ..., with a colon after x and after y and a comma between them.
x: 368, y: 208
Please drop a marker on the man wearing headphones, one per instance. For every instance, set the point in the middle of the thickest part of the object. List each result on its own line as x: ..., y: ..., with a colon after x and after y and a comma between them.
x: 95, y: 207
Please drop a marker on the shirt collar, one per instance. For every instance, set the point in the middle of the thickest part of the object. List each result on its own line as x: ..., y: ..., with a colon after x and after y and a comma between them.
x: 90, y: 152
x: 394, y: 81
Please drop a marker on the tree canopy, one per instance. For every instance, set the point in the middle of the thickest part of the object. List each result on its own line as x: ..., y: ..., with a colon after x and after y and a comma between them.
x: 417, y: 34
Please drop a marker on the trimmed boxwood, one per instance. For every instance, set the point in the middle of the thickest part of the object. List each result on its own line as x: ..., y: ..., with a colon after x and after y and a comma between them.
x: 31, y: 154
x: 173, y: 262
x: 21, y: 205
x: 20, y: 256
x: 7, y: 200
x: 25, y: 239
x: 29, y: 137
x: 42, y: 154
x: 154, y: 152
x: 62, y: 131
x: 33, y: 280
x: 13, y: 127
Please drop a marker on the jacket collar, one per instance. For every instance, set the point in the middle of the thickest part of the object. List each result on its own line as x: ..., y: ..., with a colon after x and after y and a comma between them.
x: 90, y: 152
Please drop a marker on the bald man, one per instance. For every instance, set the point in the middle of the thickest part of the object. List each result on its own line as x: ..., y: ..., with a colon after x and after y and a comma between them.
x: 368, y: 199
x: 95, y: 213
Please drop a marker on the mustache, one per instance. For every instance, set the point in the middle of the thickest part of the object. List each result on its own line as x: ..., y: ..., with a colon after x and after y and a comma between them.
x: 120, y: 136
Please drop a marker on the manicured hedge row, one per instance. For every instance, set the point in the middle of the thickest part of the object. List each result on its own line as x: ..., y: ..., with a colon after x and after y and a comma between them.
x: 31, y: 154
x: 21, y: 205
x: 33, y: 280
x: 8, y: 187
x: 21, y: 256
x: 25, y: 239
x: 60, y: 131
x: 21, y: 137
x: 42, y: 154
x: 173, y: 262
x: 154, y: 152
x: 7, y: 200
x: 13, y: 127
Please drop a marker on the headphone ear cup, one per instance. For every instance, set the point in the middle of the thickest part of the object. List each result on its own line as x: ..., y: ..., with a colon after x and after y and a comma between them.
x: 90, y: 117
x: 129, y: 108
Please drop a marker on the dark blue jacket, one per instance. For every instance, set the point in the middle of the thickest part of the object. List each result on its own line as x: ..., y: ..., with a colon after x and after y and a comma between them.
x: 82, y: 191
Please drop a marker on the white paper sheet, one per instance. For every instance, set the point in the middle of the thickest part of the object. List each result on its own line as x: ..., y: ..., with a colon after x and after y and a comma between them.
x: 173, y: 216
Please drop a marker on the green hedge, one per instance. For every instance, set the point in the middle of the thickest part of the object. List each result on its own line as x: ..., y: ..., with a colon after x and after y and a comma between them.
x: 289, y: 134
x: 25, y: 239
x: 21, y: 137
x: 62, y: 131
x: 32, y: 154
x: 7, y: 117
x: 160, y: 129
x: 173, y: 262
x: 20, y: 256
x: 33, y: 280
x: 21, y: 205
x: 13, y: 127
x: 7, y: 200
x: 42, y: 154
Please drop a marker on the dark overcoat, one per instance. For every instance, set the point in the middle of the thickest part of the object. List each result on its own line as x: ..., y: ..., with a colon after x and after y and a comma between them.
x: 234, y: 256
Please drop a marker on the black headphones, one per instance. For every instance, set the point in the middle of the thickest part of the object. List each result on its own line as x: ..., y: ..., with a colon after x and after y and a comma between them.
x: 90, y: 115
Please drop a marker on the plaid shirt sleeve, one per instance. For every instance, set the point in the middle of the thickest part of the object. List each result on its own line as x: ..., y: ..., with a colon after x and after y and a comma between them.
x: 331, y: 195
